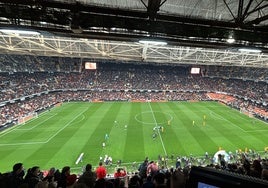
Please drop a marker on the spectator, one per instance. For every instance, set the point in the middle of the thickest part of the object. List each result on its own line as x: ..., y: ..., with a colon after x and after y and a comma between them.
x: 101, y: 171
x: 88, y: 177
x: 120, y: 172
x: 152, y: 169
x: 16, y: 177
x: 71, y: 180
x: 143, y: 169
x: 148, y: 183
x: 65, y: 172
x: 178, y: 179
x: 103, y: 183
x: 159, y: 180
x: 33, y: 176
x: 51, y: 175
x: 135, y: 182
x: 256, y: 169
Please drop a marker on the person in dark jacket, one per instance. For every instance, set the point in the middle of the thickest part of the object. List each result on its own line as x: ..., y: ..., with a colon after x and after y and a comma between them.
x: 16, y: 177
x: 88, y: 177
x: 143, y: 169
x: 33, y: 177
x: 65, y: 172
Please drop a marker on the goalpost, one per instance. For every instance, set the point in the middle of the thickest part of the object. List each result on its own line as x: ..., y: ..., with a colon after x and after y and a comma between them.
x: 22, y: 120
x: 246, y: 112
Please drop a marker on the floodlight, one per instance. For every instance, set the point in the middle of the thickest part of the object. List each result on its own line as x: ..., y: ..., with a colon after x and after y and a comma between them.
x: 22, y: 32
x: 250, y: 50
x: 153, y: 42
x: 230, y: 40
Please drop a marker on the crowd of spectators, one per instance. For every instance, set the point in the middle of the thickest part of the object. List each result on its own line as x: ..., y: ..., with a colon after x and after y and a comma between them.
x: 15, y: 85
x: 20, y: 91
x: 148, y: 174
x: 246, y: 73
x: 28, y: 63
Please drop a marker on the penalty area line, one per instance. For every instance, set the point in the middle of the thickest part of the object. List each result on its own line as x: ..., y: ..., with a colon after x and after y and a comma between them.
x: 29, y: 143
x: 65, y: 126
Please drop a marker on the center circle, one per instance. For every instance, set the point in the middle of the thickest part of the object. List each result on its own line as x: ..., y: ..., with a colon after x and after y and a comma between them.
x: 153, y: 117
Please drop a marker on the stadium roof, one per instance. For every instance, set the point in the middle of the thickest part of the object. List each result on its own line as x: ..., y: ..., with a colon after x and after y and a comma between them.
x: 196, y: 31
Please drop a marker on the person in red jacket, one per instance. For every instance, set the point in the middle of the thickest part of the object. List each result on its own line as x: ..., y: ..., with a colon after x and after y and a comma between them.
x: 120, y: 172
x: 101, y: 171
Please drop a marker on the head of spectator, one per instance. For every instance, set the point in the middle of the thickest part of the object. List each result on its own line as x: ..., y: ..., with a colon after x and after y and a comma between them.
x: 18, y: 169
x: 35, y: 171
x: 152, y: 168
x: 148, y: 183
x: 120, y: 172
x: 159, y: 180
x: 50, y: 175
x: 65, y: 172
x: 134, y: 181
x: 177, y: 179
x: 88, y: 167
x: 33, y: 176
x: 51, y: 171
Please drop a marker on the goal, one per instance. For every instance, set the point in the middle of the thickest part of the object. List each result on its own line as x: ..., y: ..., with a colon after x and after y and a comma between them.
x: 22, y: 120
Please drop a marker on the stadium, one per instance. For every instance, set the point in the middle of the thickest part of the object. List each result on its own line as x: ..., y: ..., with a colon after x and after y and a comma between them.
x: 173, y: 89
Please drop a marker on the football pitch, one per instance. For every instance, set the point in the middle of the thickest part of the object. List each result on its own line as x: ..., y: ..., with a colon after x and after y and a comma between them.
x: 58, y: 136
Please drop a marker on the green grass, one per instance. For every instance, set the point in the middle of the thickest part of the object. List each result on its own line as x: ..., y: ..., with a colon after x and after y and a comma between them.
x: 57, y: 137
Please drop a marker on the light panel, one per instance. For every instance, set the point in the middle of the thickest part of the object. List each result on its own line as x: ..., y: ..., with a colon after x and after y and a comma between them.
x: 249, y: 50
x: 22, y: 32
x: 153, y: 42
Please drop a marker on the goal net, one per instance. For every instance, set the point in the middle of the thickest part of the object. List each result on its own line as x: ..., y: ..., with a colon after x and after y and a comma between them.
x: 246, y: 112
x: 22, y: 120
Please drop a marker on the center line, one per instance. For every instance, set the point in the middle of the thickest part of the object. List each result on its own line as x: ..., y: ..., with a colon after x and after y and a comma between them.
x: 158, y: 130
